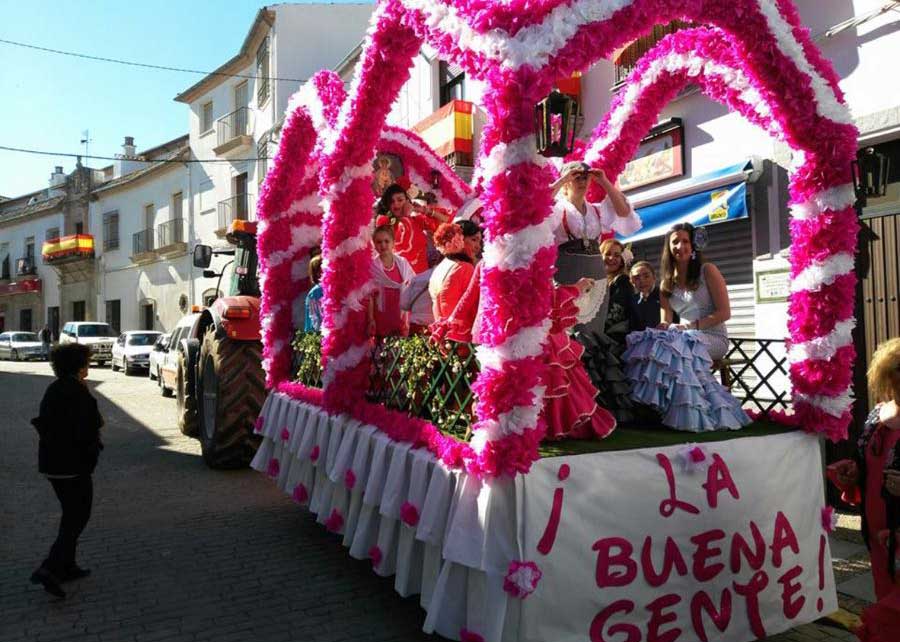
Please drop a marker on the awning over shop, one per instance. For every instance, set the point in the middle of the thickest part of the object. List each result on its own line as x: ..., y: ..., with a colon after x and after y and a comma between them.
x: 710, y: 198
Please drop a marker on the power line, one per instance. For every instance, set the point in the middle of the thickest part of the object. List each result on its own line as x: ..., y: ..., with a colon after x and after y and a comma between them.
x: 39, y: 152
x: 132, y: 63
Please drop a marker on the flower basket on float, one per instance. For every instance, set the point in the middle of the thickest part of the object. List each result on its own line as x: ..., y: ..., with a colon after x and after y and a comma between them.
x: 645, y: 541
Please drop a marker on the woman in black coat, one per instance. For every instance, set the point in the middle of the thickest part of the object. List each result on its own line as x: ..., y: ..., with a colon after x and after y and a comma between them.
x: 69, y: 428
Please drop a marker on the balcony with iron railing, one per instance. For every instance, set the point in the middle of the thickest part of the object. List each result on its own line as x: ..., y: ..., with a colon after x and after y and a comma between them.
x: 67, y: 249
x: 170, y: 237
x: 235, y: 208
x: 142, y: 248
x: 233, y: 132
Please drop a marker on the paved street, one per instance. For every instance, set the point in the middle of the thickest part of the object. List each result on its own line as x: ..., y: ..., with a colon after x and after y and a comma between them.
x: 179, y: 552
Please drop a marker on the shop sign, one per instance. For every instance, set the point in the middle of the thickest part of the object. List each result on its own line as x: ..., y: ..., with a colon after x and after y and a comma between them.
x: 773, y: 286
x: 660, y: 156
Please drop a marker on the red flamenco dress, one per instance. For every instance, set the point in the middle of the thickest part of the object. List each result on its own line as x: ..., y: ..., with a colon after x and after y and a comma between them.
x: 411, y: 239
x: 879, y: 450
x: 570, y: 409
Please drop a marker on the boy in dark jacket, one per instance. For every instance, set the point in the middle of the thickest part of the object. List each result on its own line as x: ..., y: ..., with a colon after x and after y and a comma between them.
x: 69, y: 426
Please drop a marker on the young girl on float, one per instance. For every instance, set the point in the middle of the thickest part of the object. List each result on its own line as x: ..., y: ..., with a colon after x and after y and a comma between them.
x: 670, y: 367
x: 390, y: 273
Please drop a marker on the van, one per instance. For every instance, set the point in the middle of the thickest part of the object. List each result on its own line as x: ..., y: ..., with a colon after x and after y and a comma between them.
x: 98, y: 336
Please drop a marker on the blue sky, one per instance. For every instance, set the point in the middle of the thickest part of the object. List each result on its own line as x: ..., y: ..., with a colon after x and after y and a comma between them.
x: 46, y: 100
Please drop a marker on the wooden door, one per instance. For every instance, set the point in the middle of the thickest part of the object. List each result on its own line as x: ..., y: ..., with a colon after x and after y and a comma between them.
x: 879, y: 291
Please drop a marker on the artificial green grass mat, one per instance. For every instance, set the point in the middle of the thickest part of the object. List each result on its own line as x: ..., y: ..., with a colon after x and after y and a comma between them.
x: 629, y: 438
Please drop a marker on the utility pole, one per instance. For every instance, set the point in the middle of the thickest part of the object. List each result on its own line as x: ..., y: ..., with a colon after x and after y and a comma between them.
x: 86, y: 141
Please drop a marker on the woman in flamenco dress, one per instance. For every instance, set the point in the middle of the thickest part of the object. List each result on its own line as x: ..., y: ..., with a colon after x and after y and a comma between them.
x: 871, y: 480
x: 670, y: 367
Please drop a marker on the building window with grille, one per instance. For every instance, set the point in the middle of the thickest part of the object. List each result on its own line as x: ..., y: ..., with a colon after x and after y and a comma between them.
x: 206, y: 117
x: 626, y: 58
x: 111, y: 230
x: 262, y: 72
x: 452, y: 83
x: 52, y: 233
x: 114, y: 314
x: 262, y: 155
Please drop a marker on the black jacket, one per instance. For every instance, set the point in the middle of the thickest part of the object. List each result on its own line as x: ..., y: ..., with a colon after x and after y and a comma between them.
x: 69, y: 426
x: 647, y: 310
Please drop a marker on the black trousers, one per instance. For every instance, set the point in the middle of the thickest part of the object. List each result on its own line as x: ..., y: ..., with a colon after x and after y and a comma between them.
x: 75, y: 496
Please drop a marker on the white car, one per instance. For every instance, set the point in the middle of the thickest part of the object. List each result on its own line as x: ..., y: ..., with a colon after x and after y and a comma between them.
x: 168, y: 365
x: 158, y: 354
x: 99, y: 336
x: 20, y: 345
x: 132, y: 349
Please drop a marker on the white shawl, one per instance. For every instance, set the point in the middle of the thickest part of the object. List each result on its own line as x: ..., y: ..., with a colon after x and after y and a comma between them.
x: 383, y: 281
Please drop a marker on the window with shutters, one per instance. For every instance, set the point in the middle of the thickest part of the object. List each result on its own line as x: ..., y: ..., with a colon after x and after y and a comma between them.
x: 626, y: 58
x: 206, y: 117
x: 262, y: 72
x: 262, y: 155
x: 52, y: 233
x: 111, y: 230
x: 452, y: 83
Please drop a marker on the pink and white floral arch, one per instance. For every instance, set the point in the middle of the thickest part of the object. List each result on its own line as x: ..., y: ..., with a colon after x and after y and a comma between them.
x: 518, y: 48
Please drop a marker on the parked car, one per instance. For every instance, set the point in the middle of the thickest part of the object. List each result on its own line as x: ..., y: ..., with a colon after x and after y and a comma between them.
x: 169, y: 365
x: 158, y: 354
x: 132, y: 349
x: 20, y: 345
x: 99, y: 336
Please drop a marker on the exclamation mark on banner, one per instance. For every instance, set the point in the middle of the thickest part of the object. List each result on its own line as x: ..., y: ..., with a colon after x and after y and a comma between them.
x: 820, y: 604
x: 545, y: 545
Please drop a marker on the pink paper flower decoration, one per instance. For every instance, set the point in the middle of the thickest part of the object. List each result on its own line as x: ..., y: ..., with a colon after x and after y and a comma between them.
x: 465, y: 635
x: 829, y: 519
x: 285, y: 434
x: 409, y: 514
x: 314, y: 454
x: 258, y: 424
x: 350, y: 479
x: 521, y: 579
x: 693, y: 457
x: 273, y: 468
x: 335, y: 521
x: 300, y: 494
x: 376, y: 556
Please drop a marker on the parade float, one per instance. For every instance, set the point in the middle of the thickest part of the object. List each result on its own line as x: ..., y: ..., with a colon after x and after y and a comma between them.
x: 676, y: 540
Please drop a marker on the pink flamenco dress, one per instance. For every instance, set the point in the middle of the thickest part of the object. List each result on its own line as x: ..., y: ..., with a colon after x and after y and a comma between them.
x: 570, y: 409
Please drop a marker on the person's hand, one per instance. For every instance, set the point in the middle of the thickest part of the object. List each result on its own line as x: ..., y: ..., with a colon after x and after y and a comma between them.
x: 600, y: 175
x: 662, y: 326
x: 584, y: 285
x: 892, y: 482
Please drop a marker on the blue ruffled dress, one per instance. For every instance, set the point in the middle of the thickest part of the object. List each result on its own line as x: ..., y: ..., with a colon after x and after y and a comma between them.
x: 670, y: 370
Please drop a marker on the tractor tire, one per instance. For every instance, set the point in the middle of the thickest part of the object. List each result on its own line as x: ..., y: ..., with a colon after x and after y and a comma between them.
x: 231, y: 389
x: 186, y: 398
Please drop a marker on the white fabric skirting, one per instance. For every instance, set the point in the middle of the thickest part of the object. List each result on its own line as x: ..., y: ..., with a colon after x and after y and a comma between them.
x: 457, y: 554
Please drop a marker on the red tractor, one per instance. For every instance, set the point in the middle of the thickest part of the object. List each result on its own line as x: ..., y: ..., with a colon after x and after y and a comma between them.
x: 221, y: 383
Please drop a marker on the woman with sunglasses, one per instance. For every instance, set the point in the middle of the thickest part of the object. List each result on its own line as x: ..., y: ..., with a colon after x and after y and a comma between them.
x: 582, y: 224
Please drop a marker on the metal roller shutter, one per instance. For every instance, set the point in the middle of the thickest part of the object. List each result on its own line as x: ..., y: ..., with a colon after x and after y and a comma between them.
x: 730, y: 248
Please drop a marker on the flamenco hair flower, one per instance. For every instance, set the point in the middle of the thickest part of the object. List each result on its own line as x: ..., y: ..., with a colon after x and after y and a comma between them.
x: 521, y: 579
x: 448, y: 239
x: 693, y: 457
x: 829, y: 519
x: 404, y: 182
x: 382, y: 220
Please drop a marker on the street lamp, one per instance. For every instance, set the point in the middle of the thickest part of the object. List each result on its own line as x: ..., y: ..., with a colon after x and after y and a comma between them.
x: 554, y: 124
x: 870, y: 175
